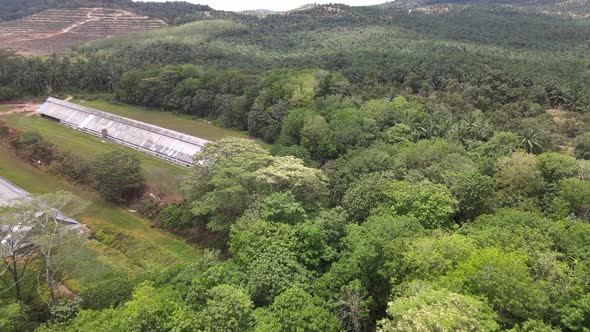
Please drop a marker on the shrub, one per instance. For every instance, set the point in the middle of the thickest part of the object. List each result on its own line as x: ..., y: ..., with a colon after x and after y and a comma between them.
x: 582, y: 147
x: 4, y: 131
x: 106, y: 293
x: 149, y: 208
x: 70, y: 167
x: 7, y: 93
x: 32, y: 147
x: 175, y: 216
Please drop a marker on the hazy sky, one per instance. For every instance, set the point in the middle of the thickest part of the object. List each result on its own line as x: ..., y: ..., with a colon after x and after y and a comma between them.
x: 236, y: 5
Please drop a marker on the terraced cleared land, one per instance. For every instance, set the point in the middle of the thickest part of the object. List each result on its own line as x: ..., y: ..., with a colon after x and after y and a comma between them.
x: 55, y: 30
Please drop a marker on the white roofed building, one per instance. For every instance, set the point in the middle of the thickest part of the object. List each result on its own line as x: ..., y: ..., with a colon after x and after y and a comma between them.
x: 164, y: 143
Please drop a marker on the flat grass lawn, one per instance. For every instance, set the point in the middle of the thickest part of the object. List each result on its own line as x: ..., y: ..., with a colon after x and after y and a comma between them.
x: 159, y: 173
x: 99, y: 261
x: 183, y: 124
x: 4, y: 108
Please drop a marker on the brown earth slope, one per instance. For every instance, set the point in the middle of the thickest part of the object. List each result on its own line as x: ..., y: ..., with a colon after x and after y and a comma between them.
x: 55, y: 30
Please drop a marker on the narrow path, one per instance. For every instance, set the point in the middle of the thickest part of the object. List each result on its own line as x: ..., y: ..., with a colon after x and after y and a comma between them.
x: 89, y: 18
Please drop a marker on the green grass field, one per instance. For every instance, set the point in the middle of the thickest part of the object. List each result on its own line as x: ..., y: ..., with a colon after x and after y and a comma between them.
x: 97, y: 260
x: 4, y: 108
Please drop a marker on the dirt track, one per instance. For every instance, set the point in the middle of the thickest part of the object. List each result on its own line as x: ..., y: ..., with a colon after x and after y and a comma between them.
x: 21, y: 108
x: 74, y: 25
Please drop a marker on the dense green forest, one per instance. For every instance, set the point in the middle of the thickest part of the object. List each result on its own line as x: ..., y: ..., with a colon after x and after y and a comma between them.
x: 427, y: 171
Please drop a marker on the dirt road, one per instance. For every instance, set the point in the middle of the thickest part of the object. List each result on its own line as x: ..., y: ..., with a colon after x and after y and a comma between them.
x: 26, y: 107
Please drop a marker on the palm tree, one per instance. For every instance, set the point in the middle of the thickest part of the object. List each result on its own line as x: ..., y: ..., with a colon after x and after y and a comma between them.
x: 577, y: 101
x: 8, y: 65
x: 531, y: 141
x: 437, y: 124
x: 482, y: 128
x: 557, y: 96
x: 437, y: 79
x: 55, y: 74
x: 32, y: 79
x: 462, y: 132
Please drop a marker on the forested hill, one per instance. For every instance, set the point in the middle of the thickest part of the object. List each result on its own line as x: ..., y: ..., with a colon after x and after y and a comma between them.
x: 561, y: 7
x: 387, y: 46
x: 479, y: 2
x: 384, y: 43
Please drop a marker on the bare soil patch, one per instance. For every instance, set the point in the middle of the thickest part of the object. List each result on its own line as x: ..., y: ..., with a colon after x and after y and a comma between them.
x: 63, y: 291
x: 24, y: 107
x: 55, y: 30
x: 557, y: 114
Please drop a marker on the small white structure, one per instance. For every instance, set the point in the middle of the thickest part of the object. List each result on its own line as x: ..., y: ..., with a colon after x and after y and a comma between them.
x: 167, y: 144
x: 10, y: 192
x: 13, y: 238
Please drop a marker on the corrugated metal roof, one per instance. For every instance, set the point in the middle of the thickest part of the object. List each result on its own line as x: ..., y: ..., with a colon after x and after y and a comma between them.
x: 10, y: 192
x: 164, y: 143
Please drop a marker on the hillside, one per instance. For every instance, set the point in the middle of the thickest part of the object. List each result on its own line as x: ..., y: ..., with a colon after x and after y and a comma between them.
x: 573, y: 8
x: 365, y: 42
x: 55, y: 30
x: 187, y: 34
x: 168, y: 11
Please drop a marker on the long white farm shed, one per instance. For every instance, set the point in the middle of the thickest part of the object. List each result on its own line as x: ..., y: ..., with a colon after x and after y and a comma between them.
x: 164, y: 143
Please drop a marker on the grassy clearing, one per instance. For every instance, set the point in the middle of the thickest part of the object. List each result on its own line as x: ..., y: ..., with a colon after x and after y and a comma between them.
x: 183, y: 124
x: 159, y: 173
x: 99, y: 261
x: 4, y: 108
x: 190, y: 33
x: 90, y: 264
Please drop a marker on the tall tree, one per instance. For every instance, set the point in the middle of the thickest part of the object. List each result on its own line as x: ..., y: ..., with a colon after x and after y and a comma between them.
x: 32, y: 228
x: 117, y: 175
x: 15, y: 249
x: 228, y: 309
x: 424, y: 310
x: 51, y: 235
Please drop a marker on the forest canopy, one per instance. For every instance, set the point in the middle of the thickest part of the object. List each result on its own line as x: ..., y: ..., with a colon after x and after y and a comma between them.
x: 423, y: 170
